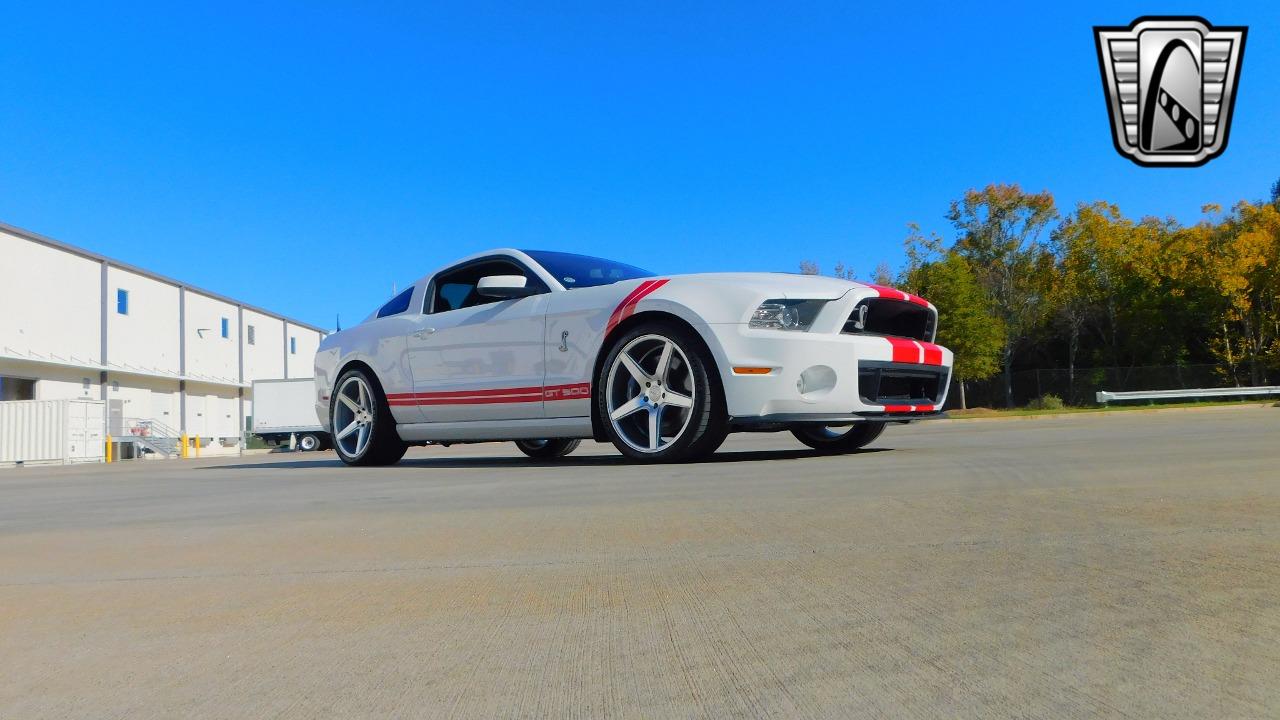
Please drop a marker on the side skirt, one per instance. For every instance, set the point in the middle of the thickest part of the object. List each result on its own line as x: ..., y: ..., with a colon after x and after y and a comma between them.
x: 484, y: 430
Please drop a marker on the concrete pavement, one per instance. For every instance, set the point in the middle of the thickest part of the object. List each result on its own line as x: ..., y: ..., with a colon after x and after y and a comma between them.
x: 1095, y: 565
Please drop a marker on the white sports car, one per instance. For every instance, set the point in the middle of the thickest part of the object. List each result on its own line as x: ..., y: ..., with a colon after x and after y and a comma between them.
x: 547, y: 348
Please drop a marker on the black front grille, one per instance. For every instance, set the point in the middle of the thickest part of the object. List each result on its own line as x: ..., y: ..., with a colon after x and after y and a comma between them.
x: 882, y: 383
x: 894, y: 318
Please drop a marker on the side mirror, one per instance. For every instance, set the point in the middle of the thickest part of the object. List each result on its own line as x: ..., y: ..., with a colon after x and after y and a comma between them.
x: 504, y: 287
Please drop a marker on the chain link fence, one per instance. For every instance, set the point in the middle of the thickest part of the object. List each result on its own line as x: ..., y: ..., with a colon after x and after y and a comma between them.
x: 1078, y: 388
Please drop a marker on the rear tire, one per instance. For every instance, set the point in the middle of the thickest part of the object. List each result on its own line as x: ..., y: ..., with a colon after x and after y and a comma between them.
x: 308, y: 443
x: 835, y: 440
x: 658, y: 379
x: 359, y: 409
x: 547, y: 449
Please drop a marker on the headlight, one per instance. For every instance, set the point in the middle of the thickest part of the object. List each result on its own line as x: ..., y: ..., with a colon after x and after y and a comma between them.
x: 786, y: 314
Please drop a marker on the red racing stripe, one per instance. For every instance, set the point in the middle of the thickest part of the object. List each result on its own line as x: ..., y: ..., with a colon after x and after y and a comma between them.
x: 932, y: 353
x: 888, y: 292
x: 905, y: 351
x: 909, y: 408
x: 895, y: 294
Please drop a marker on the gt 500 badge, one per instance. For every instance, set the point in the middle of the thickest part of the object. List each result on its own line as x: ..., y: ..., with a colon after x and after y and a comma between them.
x: 1170, y: 84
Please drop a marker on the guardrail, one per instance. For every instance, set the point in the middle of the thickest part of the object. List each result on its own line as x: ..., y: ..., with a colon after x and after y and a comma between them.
x: 1105, y: 397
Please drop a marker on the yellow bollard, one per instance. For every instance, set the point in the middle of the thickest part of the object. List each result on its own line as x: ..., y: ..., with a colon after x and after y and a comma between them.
x: 197, y: 446
x: 108, y: 448
x: 184, y: 445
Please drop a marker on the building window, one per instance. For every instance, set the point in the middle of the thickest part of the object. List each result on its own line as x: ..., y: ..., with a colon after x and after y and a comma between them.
x: 249, y: 332
x: 12, y: 388
x: 226, y: 328
x: 293, y: 346
x: 122, y: 301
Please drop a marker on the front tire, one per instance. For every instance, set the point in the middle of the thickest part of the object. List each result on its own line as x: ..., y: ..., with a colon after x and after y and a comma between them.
x: 658, y: 396
x: 835, y: 440
x: 547, y: 449
x: 364, y: 433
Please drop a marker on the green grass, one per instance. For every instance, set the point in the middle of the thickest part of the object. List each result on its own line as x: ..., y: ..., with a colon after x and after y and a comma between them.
x: 1132, y: 405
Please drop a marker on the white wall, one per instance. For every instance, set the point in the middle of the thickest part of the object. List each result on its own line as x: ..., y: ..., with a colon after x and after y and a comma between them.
x: 146, y: 338
x: 55, y: 383
x: 212, y: 411
x: 264, y: 360
x: 302, y: 364
x: 49, y: 300
x: 146, y: 398
x: 51, y: 312
x: 209, y: 355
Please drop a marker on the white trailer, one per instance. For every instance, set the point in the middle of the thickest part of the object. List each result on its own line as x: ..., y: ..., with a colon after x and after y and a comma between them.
x: 287, y: 408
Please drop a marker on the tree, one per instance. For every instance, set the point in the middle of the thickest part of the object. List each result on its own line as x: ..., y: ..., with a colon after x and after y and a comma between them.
x: 842, y: 271
x: 967, y: 323
x: 1240, y: 256
x: 999, y: 229
x: 1083, y: 291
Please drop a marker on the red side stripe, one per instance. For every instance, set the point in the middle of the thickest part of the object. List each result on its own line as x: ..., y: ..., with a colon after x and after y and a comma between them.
x: 628, y: 305
x: 615, y: 317
x: 630, y: 308
x: 470, y: 393
x: 572, y: 391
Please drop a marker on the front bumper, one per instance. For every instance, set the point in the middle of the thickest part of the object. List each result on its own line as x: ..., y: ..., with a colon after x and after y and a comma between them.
x: 833, y: 377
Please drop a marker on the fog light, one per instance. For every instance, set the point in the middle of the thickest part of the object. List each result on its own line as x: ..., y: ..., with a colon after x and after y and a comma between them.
x: 816, y: 381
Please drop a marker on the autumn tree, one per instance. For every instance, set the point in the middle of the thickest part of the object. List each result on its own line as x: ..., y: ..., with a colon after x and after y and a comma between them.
x: 1240, y: 257
x: 999, y: 230
x: 967, y: 323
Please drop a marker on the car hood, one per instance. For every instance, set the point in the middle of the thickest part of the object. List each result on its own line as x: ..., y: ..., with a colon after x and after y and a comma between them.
x: 782, y: 285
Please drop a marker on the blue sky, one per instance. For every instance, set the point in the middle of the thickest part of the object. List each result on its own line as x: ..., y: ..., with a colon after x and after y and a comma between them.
x: 304, y: 157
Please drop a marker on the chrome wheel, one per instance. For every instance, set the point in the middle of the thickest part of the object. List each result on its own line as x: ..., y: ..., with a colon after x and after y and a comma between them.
x: 353, y: 414
x: 650, y: 393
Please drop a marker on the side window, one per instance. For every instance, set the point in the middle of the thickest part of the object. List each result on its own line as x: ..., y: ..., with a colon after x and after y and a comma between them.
x: 397, y: 304
x: 456, y: 289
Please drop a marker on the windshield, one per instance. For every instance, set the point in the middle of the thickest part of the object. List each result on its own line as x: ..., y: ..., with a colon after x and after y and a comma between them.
x: 579, y: 271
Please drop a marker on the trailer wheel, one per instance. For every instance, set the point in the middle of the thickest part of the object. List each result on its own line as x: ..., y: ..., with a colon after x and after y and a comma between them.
x: 308, y: 442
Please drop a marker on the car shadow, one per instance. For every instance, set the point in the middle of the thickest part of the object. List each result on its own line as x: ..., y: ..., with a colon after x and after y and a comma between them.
x: 734, y: 456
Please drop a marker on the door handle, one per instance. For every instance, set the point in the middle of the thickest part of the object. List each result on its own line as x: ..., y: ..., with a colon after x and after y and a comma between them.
x: 424, y: 333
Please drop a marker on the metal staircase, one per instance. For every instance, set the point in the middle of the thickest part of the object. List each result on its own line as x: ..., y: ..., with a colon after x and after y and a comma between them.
x: 148, y: 434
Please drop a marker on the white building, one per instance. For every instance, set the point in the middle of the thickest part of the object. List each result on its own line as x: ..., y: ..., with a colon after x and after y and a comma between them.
x: 162, y: 354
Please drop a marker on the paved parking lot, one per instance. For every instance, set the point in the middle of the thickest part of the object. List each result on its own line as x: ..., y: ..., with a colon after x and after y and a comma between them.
x: 1083, y: 566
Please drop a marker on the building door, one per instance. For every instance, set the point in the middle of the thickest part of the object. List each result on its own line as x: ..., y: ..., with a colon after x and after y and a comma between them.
x: 115, y: 418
